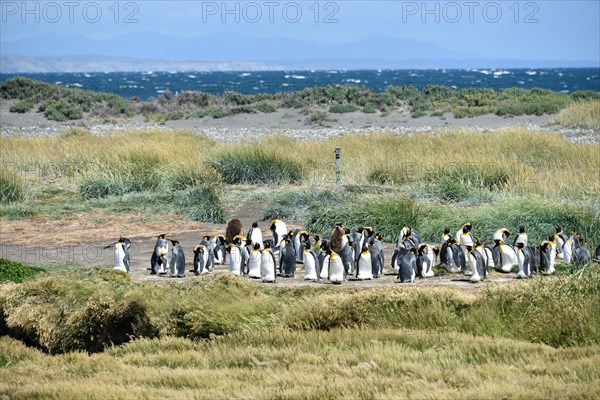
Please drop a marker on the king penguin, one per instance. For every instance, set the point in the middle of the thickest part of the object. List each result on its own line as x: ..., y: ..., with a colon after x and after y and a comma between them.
x: 235, y: 260
x: 524, y: 260
x: 348, y: 258
x: 364, y: 269
x: 254, y: 262
x: 278, y: 229
x: 323, y: 265
x: 121, y: 254
x: 477, y: 264
x: 425, y: 261
x: 508, y: 257
x: 177, y: 260
x: 548, y: 256
x: 202, y: 260
x: 287, y: 259
x: 560, y: 238
x: 268, y: 271
x: 159, y: 261
x: 521, y: 237
x: 336, y: 268
x: 310, y: 263
x: 407, y: 265
x: 255, y: 235
x: 376, y: 259
x: 219, y: 249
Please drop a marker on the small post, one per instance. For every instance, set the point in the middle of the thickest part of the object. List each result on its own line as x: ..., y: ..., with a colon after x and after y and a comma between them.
x: 338, y: 154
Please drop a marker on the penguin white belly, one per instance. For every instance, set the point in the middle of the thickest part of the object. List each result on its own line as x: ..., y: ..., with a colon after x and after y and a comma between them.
x: 344, y: 240
x: 267, y: 267
x: 256, y: 237
x: 205, y: 269
x: 235, y: 261
x: 551, y: 261
x: 254, y: 263
x: 567, y: 252
x: 396, y: 265
x: 365, y: 270
x: 325, y: 268
x: 164, y: 253
x: 508, y: 258
x: 310, y: 270
x: 428, y: 273
x: 488, y: 257
x: 452, y: 267
x: 521, y: 261
x: 119, y: 258
x: 559, y: 246
x: 336, y: 269
x: 472, y: 261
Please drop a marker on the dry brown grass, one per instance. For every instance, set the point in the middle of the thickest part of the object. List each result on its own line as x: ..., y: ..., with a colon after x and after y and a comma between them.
x: 342, y: 363
x: 581, y: 115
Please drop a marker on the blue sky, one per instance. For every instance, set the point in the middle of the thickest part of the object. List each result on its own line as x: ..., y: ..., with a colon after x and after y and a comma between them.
x: 534, y: 30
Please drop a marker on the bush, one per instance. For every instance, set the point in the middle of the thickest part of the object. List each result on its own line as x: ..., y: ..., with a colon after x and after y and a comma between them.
x: 254, y: 165
x: 342, y: 108
x: 201, y: 203
x: 12, y: 189
x: 319, y: 118
x: 266, y: 108
x: 61, y: 110
x: 21, y: 107
x: 218, y: 113
x: 11, y: 271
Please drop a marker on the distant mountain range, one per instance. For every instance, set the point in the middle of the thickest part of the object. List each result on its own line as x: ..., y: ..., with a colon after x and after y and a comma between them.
x: 223, y: 52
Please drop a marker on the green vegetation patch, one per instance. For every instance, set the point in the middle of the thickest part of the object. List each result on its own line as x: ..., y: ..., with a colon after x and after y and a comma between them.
x: 12, y: 271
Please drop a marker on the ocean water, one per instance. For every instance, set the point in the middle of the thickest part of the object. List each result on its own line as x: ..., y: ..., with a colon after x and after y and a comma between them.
x: 152, y: 84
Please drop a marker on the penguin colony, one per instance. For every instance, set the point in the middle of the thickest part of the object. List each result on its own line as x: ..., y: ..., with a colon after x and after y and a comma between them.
x: 359, y: 255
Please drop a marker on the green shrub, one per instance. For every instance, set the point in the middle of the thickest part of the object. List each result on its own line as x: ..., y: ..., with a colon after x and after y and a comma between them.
x: 201, y: 203
x: 319, y: 118
x: 418, y: 114
x: 369, y: 108
x: 12, y: 189
x: 218, y: 113
x: 21, y: 107
x: 254, y: 165
x: 342, y: 108
x: 62, y: 110
x: 266, y: 108
x: 245, y: 109
x: 12, y: 271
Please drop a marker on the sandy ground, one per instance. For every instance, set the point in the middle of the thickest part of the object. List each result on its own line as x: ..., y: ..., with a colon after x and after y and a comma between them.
x: 289, y: 122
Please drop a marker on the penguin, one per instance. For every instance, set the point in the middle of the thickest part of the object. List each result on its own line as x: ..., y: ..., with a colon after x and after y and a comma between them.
x: 425, y: 261
x: 407, y: 265
x: 278, y: 229
x: 463, y: 229
x: 376, y: 260
x: 459, y: 256
x: 366, y: 233
x: 567, y: 251
x: 364, y: 269
x: 255, y: 235
x: 378, y: 242
x: 547, y: 256
x: 235, y: 260
x: 507, y: 257
x: 560, y: 238
x: 240, y: 242
x: 485, y: 255
x: 476, y: 262
x: 323, y: 267
x: 524, y: 260
x: 581, y: 256
x: 348, y: 258
x: 335, y: 240
x: 159, y: 261
x: 254, y: 262
x: 447, y: 260
x: 404, y: 233
x: 177, y: 260
x: 302, y: 238
x: 492, y: 255
x: 597, y: 254
x: 345, y: 237
x: 399, y: 252
x: 335, y: 269
x: 310, y: 263
x: 268, y: 271
x: 501, y: 234
x: 446, y: 235
x: 203, y: 260
x: 521, y: 237
x: 287, y: 259
x: 219, y: 249
x: 121, y: 254
x: 234, y: 228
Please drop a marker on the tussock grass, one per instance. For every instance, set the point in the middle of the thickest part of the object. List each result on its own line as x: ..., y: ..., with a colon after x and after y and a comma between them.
x: 12, y: 188
x: 255, y: 164
x: 11, y: 271
x: 582, y: 114
x: 88, y: 310
x: 387, y: 214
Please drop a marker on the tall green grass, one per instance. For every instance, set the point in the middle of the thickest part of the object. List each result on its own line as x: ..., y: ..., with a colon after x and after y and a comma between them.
x: 582, y: 114
x: 12, y: 189
x: 387, y: 214
x: 254, y: 165
x: 12, y: 271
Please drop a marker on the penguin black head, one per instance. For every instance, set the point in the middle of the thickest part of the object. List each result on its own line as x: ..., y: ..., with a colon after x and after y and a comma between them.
x: 256, y: 246
x: 550, y: 237
x: 379, y: 237
x: 446, y: 231
x: 228, y: 248
x: 174, y: 242
x: 307, y: 246
x: 520, y: 245
x: 346, y: 231
x: 206, y: 237
x: 364, y: 249
x: 325, y: 246
x: 544, y: 247
x: 558, y: 228
x: 360, y: 230
x: 317, y: 238
x: 255, y: 224
x: 469, y: 248
x: 249, y: 242
x: 522, y: 229
x: 436, y: 250
x: 267, y: 244
x: 162, y: 235
x: 339, y: 225
x: 349, y: 243
x: 370, y: 231
x: 291, y: 234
